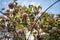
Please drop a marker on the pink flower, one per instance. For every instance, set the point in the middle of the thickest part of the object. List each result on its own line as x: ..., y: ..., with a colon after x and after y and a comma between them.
x: 7, y: 19
x: 37, y: 12
x: 11, y: 5
x: 20, y: 31
x: 24, y: 15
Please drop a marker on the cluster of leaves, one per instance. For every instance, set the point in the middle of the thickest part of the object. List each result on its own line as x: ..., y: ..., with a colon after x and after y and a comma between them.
x: 51, y: 25
x: 22, y: 16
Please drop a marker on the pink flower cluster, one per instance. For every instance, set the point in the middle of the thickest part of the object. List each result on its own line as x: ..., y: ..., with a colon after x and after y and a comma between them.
x: 24, y: 15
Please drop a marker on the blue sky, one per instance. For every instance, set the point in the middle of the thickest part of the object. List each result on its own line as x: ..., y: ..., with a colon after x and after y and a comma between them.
x: 44, y: 3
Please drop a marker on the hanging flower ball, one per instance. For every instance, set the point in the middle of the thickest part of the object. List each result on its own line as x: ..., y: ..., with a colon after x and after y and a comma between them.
x: 7, y: 19
x: 24, y: 15
x: 20, y: 31
x: 37, y: 12
x: 11, y: 5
